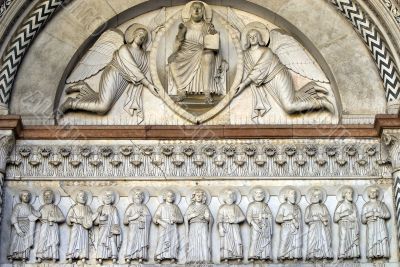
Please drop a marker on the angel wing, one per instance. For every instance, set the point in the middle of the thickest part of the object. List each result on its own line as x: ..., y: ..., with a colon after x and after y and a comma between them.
x: 294, y: 56
x: 98, y: 56
x: 157, y: 23
x: 234, y: 21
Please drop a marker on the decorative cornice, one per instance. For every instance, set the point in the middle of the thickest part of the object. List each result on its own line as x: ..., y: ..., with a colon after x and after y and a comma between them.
x: 393, y: 8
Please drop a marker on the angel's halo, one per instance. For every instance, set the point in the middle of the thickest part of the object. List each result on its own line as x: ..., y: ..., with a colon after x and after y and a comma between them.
x: 186, y: 11
x: 130, y: 31
x: 255, y: 25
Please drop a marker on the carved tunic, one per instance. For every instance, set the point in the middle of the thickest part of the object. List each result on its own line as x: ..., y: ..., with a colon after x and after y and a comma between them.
x: 291, y: 233
x: 259, y: 217
x: 79, y: 238
x: 198, y: 217
x: 229, y: 217
x: 138, y: 218
x: 49, y: 235
x: 319, y: 232
x: 349, y: 233
x: 168, y: 236
x: 377, y: 234
x: 109, y: 239
x: 23, y: 217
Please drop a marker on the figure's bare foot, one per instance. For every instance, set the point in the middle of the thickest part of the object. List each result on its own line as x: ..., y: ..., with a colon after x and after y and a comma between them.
x: 100, y: 261
x: 67, y: 105
x: 76, y: 88
x: 39, y: 260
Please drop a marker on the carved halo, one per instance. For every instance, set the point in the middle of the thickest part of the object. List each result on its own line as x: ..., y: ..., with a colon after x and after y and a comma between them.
x: 145, y: 193
x: 312, y: 189
x: 251, y: 198
x: 89, y: 196
x: 255, y: 25
x: 189, y: 196
x: 56, y: 194
x: 33, y: 196
x: 365, y: 193
x: 116, y: 196
x: 221, y: 196
x: 128, y: 36
x: 186, y: 11
x: 339, y: 195
x: 287, y: 188
x: 177, y: 196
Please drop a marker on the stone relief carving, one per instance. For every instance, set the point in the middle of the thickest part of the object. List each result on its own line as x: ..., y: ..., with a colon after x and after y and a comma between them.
x: 272, y: 158
x: 168, y: 216
x: 228, y: 219
x: 80, y: 217
x: 289, y: 217
x: 109, y: 236
x: 124, y: 61
x: 318, y: 219
x: 346, y: 215
x: 374, y: 214
x: 23, y: 221
x: 259, y: 217
x: 198, y: 222
x: 138, y: 218
x: 49, y: 235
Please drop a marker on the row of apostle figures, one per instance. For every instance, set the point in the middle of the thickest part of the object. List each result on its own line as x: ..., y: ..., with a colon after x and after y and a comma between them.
x: 198, y: 221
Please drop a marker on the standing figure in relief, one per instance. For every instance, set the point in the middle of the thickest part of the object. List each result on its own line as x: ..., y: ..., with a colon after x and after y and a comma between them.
x: 168, y: 216
x: 109, y: 239
x: 229, y: 217
x: 138, y: 217
x: 346, y: 215
x: 23, y: 220
x: 289, y: 217
x: 259, y: 217
x: 195, y: 64
x: 198, y: 222
x: 319, y: 240
x: 80, y: 217
x: 374, y: 214
x: 49, y: 235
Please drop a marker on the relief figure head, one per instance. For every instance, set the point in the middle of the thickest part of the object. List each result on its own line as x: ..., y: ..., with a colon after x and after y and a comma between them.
x: 316, y: 196
x: 169, y: 196
x: 290, y: 196
x: 348, y: 194
x: 108, y: 197
x: 373, y: 193
x: 81, y: 197
x: 258, y: 194
x: 137, y: 34
x: 48, y: 196
x: 199, y: 196
x: 138, y: 197
x: 25, y: 196
x: 197, y: 11
x: 230, y: 197
x: 254, y: 38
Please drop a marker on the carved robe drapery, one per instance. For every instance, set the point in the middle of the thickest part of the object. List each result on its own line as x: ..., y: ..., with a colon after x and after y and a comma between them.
x: 229, y: 217
x: 138, y: 217
x: 291, y: 232
x: 377, y: 234
x: 319, y: 232
x: 109, y: 237
x: 349, y: 233
x: 49, y: 235
x: 259, y: 217
x: 80, y: 217
x: 168, y: 236
x: 198, y: 217
x: 24, y: 218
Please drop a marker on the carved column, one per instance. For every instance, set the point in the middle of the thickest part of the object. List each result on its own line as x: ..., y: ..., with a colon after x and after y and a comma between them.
x: 6, y: 144
x: 391, y: 138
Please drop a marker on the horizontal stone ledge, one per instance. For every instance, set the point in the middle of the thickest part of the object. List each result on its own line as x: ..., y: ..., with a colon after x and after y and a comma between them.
x: 187, y: 132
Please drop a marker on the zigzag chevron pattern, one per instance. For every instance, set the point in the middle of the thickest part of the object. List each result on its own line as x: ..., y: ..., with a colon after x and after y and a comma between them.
x: 376, y: 45
x: 19, y: 44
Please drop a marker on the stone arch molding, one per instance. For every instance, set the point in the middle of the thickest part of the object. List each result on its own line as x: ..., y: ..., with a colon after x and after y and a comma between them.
x: 43, y: 11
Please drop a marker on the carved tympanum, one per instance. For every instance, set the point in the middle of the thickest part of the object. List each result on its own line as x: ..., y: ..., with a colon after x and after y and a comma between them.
x: 346, y: 215
x: 138, y: 218
x: 289, y: 217
x: 23, y: 221
x: 229, y: 218
x: 109, y: 236
x: 49, y: 235
x: 374, y: 214
x: 80, y: 217
x: 168, y: 216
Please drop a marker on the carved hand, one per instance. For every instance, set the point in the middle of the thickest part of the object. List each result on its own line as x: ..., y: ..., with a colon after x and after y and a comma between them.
x: 152, y: 89
x: 240, y: 88
x: 19, y: 232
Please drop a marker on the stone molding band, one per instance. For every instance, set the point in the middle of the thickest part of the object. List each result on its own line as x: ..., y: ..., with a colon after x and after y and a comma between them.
x: 43, y: 11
